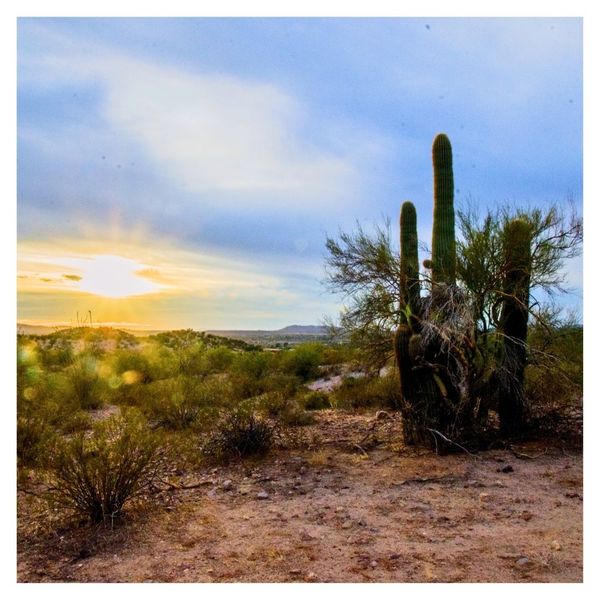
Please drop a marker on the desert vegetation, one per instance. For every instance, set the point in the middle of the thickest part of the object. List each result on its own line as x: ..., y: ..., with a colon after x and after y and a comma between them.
x: 462, y: 355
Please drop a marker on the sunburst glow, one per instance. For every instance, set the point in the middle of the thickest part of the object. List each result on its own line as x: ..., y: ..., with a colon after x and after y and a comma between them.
x: 114, y: 277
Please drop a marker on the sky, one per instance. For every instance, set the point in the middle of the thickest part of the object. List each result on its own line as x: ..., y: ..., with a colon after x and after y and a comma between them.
x: 186, y: 172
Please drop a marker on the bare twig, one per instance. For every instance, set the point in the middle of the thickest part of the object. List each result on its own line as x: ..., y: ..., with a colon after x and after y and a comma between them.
x: 435, y: 431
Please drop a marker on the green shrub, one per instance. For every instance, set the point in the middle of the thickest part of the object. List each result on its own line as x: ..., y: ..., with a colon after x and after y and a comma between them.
x: 185, y: 402
x: 84, y: 385
x: 44, y: 408
x: 365, y: 392
x: 303, y: 361
x: 96, y: 474
x: 217, y: 360
x: 33, y: 437
x: 240, y: 433
x: 315, y: 401
x: 57, y: 356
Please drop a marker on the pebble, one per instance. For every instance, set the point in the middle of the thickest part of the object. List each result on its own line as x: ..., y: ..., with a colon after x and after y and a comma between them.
x: 227, y: 484
x: 474, y: 483
x: 374, y: 564
x: 523, y: 562
x: 311, y: 576
x: 346, y: 524
x: 302, y: 470
x: 262, y: 495
x: 555, y: 545
x: 483, y: 497
x: 507, y: 469
x: 295, y: 572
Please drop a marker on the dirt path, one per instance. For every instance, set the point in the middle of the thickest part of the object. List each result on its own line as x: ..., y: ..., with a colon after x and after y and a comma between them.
x: 337, y: 512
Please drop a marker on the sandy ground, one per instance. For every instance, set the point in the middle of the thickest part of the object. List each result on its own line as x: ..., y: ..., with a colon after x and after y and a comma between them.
x: 334, y: 511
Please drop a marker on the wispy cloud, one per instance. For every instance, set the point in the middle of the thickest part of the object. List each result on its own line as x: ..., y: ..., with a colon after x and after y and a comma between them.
x: 211, y: 132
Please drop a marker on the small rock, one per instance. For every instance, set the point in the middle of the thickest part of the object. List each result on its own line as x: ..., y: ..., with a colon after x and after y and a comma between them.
x: 295, y: 572
x: 311, y: 576
x: 382, y: 414
x: 394, y: 556
x: 483, y: 497
x: 302, y: 470
x: 506, y: 469
x: 473, y: 483
x: 346, y: 524
x: 227, y: 484
x: 523, y: 562
x: 526, y: 515
x: 169, y: 508
x: 555, y: 545
x: 374, y: 564
x: 262, y: 495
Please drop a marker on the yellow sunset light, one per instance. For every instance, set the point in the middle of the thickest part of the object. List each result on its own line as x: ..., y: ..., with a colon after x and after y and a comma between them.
x: 114, y: 277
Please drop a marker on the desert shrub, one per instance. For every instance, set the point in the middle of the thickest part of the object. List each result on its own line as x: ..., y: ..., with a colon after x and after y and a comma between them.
x: 239, y: 433
x: 294, y: 415
x: 191, y: 360
x: 217, y: 360
x: 283, y: 408
x: 132, y: 361
x: 554, y: 382
x: 128, y: 394
x: 255, y: 365
x: 281, y: 383
x: 364, y: 392
x: 57, y: 356
x: 45, y: 409
x: 84, y: 385
x: 303, y: 361
x: 96, y: 474
x: 33, y: 437
x: 151, y: 361
x: 315, y: 400
x: 185, y: 402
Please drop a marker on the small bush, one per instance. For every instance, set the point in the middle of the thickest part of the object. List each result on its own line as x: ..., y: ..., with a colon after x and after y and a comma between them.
x: 283, y: 408
x: 303, y: 361
x: 315, y: 401
x: 185, y: 402
x: 378, y: 392
x: 97, y: 474
x: 84, y: 384
x: 33, y: 437
x: 240, y: 434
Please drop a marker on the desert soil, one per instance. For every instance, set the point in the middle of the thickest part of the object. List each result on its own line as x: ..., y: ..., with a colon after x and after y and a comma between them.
x: 352, y: 505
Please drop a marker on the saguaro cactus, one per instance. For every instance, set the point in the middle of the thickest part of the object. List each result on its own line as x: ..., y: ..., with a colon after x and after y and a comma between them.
x: 443, y: 244
x: 513, y: 319
x: 410, y: 289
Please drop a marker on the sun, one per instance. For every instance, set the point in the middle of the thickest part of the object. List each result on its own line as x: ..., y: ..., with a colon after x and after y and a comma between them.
x: 114, y: 277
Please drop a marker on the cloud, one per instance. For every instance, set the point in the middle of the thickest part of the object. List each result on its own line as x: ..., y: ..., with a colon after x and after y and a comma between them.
x: 210, y: 132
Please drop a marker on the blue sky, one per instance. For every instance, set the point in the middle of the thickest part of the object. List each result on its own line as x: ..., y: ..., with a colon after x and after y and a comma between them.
x: 215, y: 155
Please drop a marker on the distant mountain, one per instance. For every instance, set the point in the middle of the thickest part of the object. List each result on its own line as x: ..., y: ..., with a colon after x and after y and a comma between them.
x: 304, y: 330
